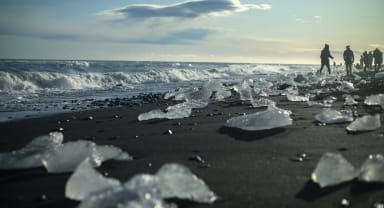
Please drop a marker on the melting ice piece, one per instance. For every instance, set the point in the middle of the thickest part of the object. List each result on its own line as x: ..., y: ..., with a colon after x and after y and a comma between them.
x: 221, y: 92
x: 272, y: 118
x: 365, y: 123
x: 330, y: 116
x: 346, y: 86
x: 147, y: 191
x: 173, y: 113
x: 177, y: 181
x: 244, y: 88
x: 85, y: 181
x: 123, y: 198
x: 379, y: 75
x: 372, y: 169
x: 297, y: 98
x: 333, y: 169
x: 32, y: 154
x: 189, y: 104
x: 349, y: 100
x: 375, y: 100
x: 262, y: 102
x: 68, y: 156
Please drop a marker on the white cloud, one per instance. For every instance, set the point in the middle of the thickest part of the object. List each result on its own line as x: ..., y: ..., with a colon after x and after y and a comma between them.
x: 185, y: 10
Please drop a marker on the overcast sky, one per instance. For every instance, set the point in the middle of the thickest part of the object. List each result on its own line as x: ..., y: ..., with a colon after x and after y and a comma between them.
x: 268, y: 31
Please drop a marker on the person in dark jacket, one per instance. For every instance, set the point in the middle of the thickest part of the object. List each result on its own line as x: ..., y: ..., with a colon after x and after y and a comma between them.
x: 378, y: 55
x: 349, y: 59
x: 324, y: 56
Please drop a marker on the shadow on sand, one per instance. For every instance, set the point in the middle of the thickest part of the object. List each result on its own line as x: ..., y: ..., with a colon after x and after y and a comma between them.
x: 249, y: 136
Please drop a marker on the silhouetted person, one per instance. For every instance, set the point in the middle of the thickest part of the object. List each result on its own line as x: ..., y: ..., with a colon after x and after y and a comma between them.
x: 370, y: 59
x: 366, y: 61
x: 378, y: 55
x: 324, y: 56
x: 361, y: 61
x: 349, y: 59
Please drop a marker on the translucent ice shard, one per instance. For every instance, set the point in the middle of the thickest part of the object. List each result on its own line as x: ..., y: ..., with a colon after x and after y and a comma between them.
x: 173, y: 113
x: 189, y: 104
x: 123, y: 198
x: 379, y: 75
x: 68, y: 156
x: 177, y: 181
x: 375, y: 100
x: 333, y: 169
x: 372, y: 169
x: 244, y: 88
x: 85, y: 181
x: 262, y: 102
x: 349, y: 100
x: 365, y: 123
x: 330, y: 116
x: 32, y: 154
x: 148, y: 191
x: 153, y: 114
x: 272, y: 118
x: 297, y: 98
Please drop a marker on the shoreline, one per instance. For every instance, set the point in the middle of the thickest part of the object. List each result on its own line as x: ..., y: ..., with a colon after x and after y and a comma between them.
x: 247, y: 169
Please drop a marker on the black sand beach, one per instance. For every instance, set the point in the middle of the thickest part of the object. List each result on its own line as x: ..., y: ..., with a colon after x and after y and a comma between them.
x: 246, y: 169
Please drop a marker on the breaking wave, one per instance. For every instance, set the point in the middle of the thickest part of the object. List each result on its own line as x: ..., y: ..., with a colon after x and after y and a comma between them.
x: 76, y: 75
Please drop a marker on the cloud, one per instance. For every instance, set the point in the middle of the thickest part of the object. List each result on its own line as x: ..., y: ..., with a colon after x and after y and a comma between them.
x: 185, y: 10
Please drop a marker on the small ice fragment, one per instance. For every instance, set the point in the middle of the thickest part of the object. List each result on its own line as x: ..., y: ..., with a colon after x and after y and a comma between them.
x: 188, y: 104
x: 333, y: 169
x: 153, y: 114
x: 68, y: 156
x: 244, y: 88
x: 272, y: 118
x: 178, y: 181
x: 330, y: 116
x: 297, y: 98
x: 32, y: 154
x: 365, y: 123
x: 379, y: 75
x: 349, y: 100
x: 375, y: 100
x: 262, y: 102
x: 85, y: 180
x: 372, y: 169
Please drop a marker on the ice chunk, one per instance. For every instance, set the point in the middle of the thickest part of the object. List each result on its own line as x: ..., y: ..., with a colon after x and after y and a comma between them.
x: 32, y: 154
x: 177, y: 181
x: 375, y: 100
x: 272, y: 118
x: 330, y: 116
x: 262, y: 102
x: 244, y: 88
x: 372, y: 169
x: 173, y: 113
x: 297, y: 98
x: 379, y: 75
x: 346, y: 86
x: 68, y: 156
x: 123, y: 198
x: 85, y: 181
x: 349, y: 100
x: 153, y: 114
x: 365, y: 123
x: 147, y: 191
x: 189, y: 104
x: 333, y: 169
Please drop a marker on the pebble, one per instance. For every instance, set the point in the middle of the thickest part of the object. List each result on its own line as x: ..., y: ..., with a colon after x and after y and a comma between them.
x: 345, y: 203
x: 168, y: 132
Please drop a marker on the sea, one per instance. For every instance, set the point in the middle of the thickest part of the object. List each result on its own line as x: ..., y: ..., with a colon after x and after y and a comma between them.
x: 30, y: 88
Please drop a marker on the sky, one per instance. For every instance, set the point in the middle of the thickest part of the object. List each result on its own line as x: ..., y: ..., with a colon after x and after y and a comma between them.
x: 248, y: 31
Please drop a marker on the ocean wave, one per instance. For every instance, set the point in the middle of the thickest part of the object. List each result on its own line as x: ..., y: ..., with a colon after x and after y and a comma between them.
x: 59, y: 78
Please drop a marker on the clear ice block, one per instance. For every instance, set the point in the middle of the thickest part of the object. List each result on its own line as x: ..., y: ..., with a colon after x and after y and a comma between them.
x: 333, y: 169
x: 330, y: 116
x: 372, y: 169
x: 365, y: 123
x: 375, y: 100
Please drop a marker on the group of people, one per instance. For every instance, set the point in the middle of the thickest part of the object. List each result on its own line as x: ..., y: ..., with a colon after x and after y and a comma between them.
x: 366, y: 59
x: 349, y: 58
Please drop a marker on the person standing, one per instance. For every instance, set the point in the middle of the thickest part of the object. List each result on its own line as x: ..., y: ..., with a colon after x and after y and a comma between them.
x: 349, y: 59
x: 370, y: 60
x: 378, y: 55
x: 324, y: 56
x: 366, y: 61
